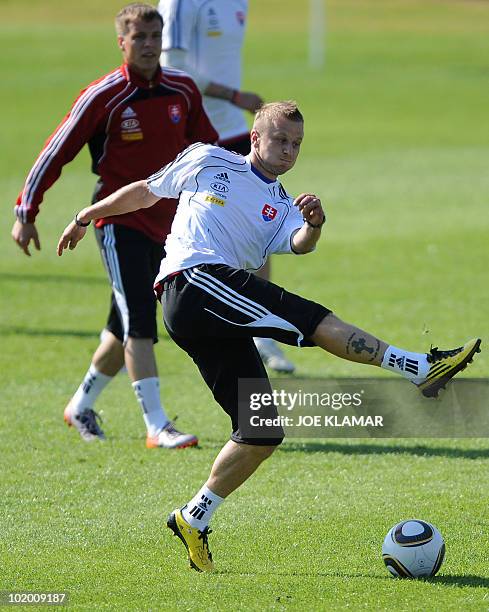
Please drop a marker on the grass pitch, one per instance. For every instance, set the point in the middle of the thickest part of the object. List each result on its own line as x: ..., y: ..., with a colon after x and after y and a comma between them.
x: 396, y: 145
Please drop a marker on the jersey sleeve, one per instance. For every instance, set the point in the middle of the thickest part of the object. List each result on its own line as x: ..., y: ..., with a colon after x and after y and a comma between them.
x: 171, y: 180
x: 179, y: 17
x: 282, y: 243
x: 60, y: 148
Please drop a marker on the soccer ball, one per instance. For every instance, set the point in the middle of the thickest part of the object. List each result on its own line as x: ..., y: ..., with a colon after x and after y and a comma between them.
x: 413, y: 549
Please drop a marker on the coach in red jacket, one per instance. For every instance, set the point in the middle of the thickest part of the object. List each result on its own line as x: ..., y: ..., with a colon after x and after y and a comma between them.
x: 135, y: 120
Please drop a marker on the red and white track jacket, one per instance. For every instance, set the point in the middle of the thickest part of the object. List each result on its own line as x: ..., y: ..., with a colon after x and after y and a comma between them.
x: 133, y: 127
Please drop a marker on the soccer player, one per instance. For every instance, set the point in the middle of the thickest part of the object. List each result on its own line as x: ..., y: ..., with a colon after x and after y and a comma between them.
x: 134, y: 119
x: 213, y: 305
x: 205, y: 39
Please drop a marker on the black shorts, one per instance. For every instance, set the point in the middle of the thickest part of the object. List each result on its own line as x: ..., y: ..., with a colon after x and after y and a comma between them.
x: 214, y: 311
x: 241, y: 144
x: 132, y: 261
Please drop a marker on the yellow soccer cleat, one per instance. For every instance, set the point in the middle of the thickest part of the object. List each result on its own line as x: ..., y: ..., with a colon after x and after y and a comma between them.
x: 195, y: 542
x: 445, y: 364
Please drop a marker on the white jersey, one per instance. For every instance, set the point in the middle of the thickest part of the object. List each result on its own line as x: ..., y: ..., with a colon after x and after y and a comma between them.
x: 212, y: 34
x: 228, y: 213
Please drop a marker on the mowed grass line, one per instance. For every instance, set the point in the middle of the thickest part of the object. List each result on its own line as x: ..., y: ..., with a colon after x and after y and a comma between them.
x: 396, y: 144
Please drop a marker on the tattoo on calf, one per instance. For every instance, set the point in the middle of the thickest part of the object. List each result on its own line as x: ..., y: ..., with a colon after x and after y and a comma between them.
x: 360, y: 344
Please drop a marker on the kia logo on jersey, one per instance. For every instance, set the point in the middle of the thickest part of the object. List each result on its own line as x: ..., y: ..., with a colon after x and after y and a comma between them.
x: 240, y: 16
x: 220, y: 187
x: 175, y: 112
x: 268, y: 213
x: 129, y: 124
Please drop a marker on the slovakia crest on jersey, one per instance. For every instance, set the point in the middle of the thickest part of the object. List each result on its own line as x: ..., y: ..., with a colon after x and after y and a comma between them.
x: 268, y: 213
x: 175, y: 112
x: 240, y: 16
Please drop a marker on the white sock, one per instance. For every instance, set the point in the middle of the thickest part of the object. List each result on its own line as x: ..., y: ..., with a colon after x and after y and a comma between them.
x: 92, y: 386
x: 147, y: 393
x: 413, y: 366
x: 199, y: 510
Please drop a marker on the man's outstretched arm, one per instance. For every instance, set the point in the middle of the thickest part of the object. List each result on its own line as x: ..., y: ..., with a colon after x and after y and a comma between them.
x: 127, y: 199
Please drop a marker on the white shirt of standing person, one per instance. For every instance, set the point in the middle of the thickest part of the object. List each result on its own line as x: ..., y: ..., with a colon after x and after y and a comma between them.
x: 205, y: 39
x: 228, y: 213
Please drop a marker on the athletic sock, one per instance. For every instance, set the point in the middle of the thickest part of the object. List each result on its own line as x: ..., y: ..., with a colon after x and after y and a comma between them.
x: 413, y: 366
x: 92, y: 386
x: 199, y: 510
x: 147, y: 393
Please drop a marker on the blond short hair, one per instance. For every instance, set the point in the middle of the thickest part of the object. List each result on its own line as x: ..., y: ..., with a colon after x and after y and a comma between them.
x: 287, y: 109
x: 132, y: 12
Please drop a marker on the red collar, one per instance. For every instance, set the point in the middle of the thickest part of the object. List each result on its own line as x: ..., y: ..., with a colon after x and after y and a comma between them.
x: 140, y: 81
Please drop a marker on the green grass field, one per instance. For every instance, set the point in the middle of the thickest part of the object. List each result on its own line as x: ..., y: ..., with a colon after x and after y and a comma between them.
x: 397, y: 146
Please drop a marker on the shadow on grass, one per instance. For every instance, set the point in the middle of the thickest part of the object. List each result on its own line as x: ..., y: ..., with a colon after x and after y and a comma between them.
x: 462, y: 581
x: 54, y: 278
x: 26, y: 331
x: 385, y: 449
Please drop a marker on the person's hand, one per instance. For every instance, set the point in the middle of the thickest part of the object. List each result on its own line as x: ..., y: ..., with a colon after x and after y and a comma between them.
x: 70, y: 237
x: 248, y: 100
x: 23, y: 233
x: 311, y: 209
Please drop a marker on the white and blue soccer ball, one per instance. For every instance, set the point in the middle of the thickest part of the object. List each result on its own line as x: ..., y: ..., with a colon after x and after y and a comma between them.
x: 413, y: 549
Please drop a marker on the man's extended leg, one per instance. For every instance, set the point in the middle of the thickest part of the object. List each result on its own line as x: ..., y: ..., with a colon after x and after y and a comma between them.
x: 348, y: 342
x: 429, y: 371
